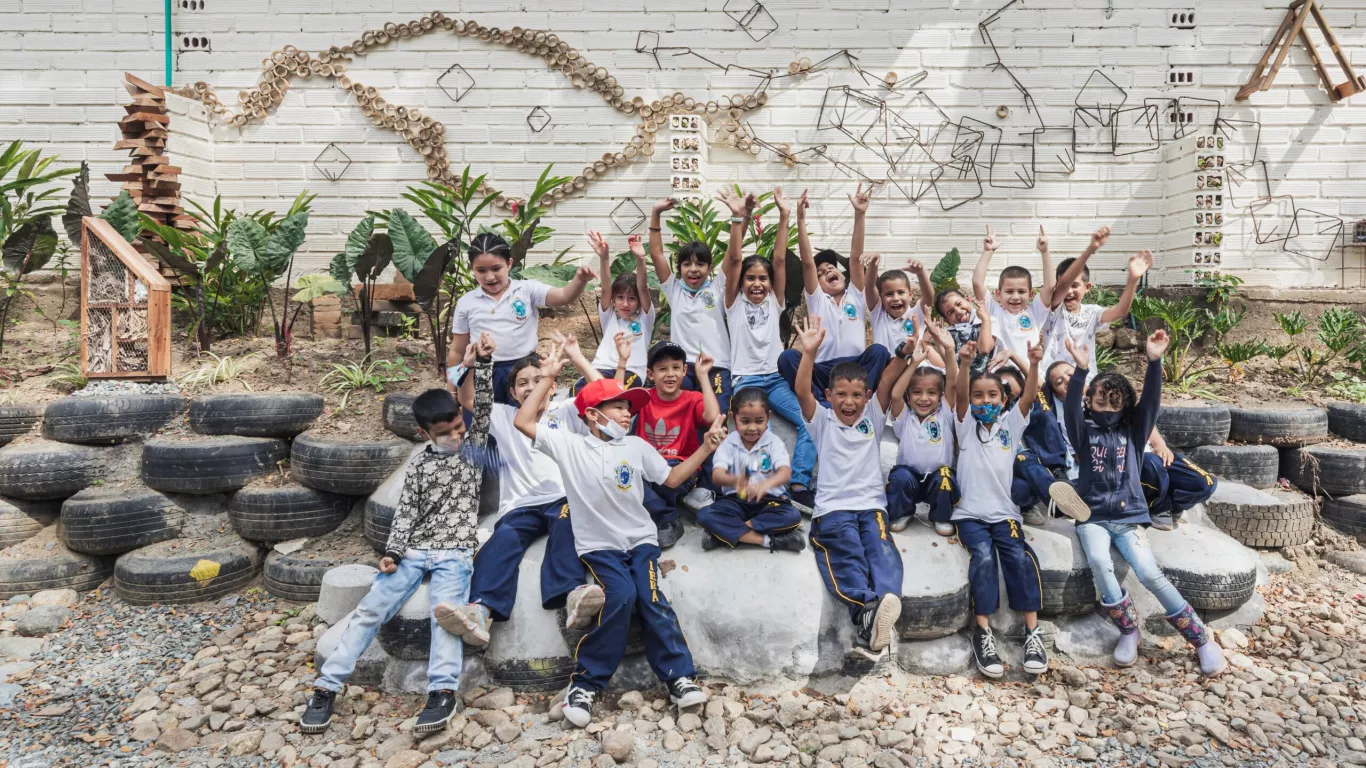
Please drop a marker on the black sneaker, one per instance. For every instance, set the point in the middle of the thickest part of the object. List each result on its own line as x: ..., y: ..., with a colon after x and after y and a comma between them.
x: 1059, y: 474
x: 863, y: 632
x: 684, y: 693
x: 439, y: 711
x: 670, y: 533
x: 787, y: 541
x: 805, y: 497
x: 1163, y: 521
x: 318, y: 716
x: 710, y: 542
x: 1035, y: 657
x: 875, y: 625
x: 578, y: 706
x: 984, y: 653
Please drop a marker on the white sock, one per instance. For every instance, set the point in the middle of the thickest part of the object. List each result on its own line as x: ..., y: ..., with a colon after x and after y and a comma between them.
x: 767, y: 541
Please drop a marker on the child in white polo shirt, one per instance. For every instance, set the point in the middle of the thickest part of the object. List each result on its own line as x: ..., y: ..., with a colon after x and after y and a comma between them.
x: 504, y: 308
x: 624, y: 307
x: 850, y: 532
x: 1016, y: 314
x: 604, y: 476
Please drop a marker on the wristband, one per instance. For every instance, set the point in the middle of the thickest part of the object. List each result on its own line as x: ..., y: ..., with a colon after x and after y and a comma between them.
x: 739, y: 219
x: 656, y: 229
x: 453, y: 375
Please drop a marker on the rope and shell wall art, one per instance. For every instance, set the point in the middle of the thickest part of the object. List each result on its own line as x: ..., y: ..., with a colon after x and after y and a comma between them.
x: 427, y: 135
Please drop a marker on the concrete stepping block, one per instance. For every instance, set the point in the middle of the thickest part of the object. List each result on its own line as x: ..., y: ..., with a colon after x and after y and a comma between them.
x: 949, y: 655
x: 342, y: 590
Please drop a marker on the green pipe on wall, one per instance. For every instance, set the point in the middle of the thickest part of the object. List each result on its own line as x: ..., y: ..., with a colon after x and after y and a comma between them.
x: 169, y: 66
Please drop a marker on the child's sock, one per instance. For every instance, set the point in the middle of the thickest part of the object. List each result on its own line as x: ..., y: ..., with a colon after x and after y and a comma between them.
x: 767, y: 541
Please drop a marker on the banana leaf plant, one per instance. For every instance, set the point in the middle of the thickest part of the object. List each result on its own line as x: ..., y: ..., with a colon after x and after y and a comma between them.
x: 264, y: 249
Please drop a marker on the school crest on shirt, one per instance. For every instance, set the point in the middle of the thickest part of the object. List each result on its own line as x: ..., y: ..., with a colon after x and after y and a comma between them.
x: 933, y: 431
x: 756, y: 315
x: 634, y: 325
x: 708, y: 299
x: 850, y: 311
x: 1004, y: 437
x: 519, y: 309
x: 864, y: 427
x: 1025, y: 322
x: 552, y: 423
x: 624, y: 474
x: 764, y: 463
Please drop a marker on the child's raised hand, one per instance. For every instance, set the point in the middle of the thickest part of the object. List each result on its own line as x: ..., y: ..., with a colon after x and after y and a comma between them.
x: 717, y: 433
x: 1099, y: 237
x: 637, y: 247
x: 990, y: 244
x: 920, y: 352
x: 980, y: 308
x: 1140, y: 263
x: 1035, y: 352
x: 941, y: 336
x: 967, y: 353
x: 703, y: 365
x: 731, y: 200
x: 915, y: 266
x: 1042, y: 244
x: 471, y: 350
x: 751, y: 202
x: 487, y: 346
x: 622, y: 341
x: 780, y: 200
x: 584, y: 275
x: 598, y: 243
x: 1164, y: 454
x: 666, y: 204
x: 555, y: 360
x: 1081, y: 353
x: 802, y: 204
x: 567, y: 343
x: 860, y: 199
x: 1157, y: 345
x: 810, y: 335
x: 870, y: 260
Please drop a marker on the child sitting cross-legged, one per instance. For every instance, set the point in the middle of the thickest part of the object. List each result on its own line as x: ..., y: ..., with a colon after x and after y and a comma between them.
x: 605, y: 472
x: 850, y: 534
x: 990, y: 432
x: 433, y: 534
x: 1113, y: 424
x: 752, y: 469
x: 922, y: 409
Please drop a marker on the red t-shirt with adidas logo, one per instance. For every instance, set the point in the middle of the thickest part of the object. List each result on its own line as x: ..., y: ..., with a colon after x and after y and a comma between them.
x: 671, y: 425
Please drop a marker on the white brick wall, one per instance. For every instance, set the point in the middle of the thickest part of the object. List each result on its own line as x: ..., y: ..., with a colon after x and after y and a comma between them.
x: 61, y: 62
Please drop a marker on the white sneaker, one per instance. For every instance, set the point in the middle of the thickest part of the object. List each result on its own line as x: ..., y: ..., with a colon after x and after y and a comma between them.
x: 945, y: 529
x: 1069, y: 501
x: 699, y: 498
x: 900, y: 524
x: 470, y: 622
x: 583, y: 604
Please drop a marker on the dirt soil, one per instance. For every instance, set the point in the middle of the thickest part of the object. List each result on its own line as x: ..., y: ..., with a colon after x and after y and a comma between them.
x: 345, y: 544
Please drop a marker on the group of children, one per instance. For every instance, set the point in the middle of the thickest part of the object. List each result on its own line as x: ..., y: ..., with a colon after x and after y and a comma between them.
x: 995, y: 401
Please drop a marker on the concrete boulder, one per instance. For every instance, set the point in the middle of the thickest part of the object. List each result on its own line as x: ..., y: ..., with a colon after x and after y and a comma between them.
x: 342, y: 590
x: 935, y: 600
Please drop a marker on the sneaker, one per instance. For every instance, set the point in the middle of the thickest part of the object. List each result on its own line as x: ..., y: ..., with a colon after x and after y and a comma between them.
x: 710, y: 542
x: 578, y: 706
x: 787, y: 541
x: 945, y: 529
x: 984, y: 653
x: 1035, y: 657
x: 805, y: 497
x: 863, y: 633
x: 439, y: 711
x: 684, y: 693
x: 900, y: 524
x: 1163, y: 521
x: 470, y: 622
x: 886, y: 613
x: 1069, y: 501
x: 583, y: 604
x: 1034, y: 516
x: 699, y: 498
x: 318, y: 715
x: 670, y: 533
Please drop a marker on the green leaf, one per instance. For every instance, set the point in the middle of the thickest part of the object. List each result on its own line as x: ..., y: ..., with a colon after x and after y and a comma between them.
x: 288, y: 236
x: 427, y: 282
x: 946, y: 271
x: 554, y: 275
x: 183, y: 265
x: 357, y: 242
x: 247, y: 244
x: 316, y: 286
x: 78, y: 206
x: 339, y: 270
x: 122, y: 214
x: 376, y: 257
x: 30, y: 247
x: 412, y: 244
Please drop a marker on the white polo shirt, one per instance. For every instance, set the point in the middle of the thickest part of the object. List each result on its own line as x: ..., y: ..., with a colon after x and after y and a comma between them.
x: 1017, y: 331
x: 1080, y: 328
x: 510, y: 319
x: 528, y: 478
x: 638, y: 327
x: 843, y: 323
x: 766, y: 457
x: 986, y: 466
x: 698, y: 320
x: 605, y: 483
x: 927, y: 445
x: 754, y: 340
x: 850, y: 460
x: 892, y: 332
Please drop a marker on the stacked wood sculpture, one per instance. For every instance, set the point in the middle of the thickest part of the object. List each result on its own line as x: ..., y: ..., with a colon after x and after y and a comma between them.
x: 150, y: 179
x: 1292, y: 27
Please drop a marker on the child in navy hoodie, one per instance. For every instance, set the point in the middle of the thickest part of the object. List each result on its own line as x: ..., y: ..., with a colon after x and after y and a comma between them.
x: 1108, y: 425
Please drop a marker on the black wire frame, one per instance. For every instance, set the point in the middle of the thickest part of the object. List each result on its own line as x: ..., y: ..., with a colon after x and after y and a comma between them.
x: 755, y: 20
x: 1101, y: 110
x: 634, y: 211
x: 1054, y: 162
x: 538, y: 116
x: 1326, y: 224
x: 984, y: 29
x: 455, y: 71
x: 342, y: 157
x: 1262, y: 231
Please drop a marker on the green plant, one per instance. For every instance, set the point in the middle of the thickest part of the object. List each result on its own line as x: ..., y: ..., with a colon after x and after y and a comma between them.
x: 221, y: 371
x: 1339, y: 331
x: 366, y: 255
x: 1103, y: 296
x: 1185, y: 324
x: 264, y: 250
x: 527, y: 216
x: 407, y: 328
x: 1348, y: 387
x: 1106, y: 358
x: 123, y: 216
x: 1236, y: 355
x: 27, y: 205
x: 945, y: 274
x: 68, y: 374
x: 345, y: 378
x: 1219, y: 288
x: 1357, y: 356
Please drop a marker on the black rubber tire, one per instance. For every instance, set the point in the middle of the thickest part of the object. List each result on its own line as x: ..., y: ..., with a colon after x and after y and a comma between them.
x: 286, y: 512
x: 48, y: 470
x: 925, y: 618
x: 1347, y: 515
x: 1347, y: 420
x: 111, y: 521
x: 531, y: 675
x: 265, y: 414
x: 21, y: 520
x: 1321, y: 469
x: 407, y: 637
x: 398, y: 415
x: 1286, y: 427
x: 297, y: 579
x: 18, y: 420
x: 1287, y: 524
x: 1257, y: 466
x: 344, y: 466
x: 209, y: 464
x: 1067, y: 593
x: 1211, y: 592
x: 58, y: 569
x: 109, y: 419
x: 1186, y: 426
x: 160, y: 574
x: 379, y: 517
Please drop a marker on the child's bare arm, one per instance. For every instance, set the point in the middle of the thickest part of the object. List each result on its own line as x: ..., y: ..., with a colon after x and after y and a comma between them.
x: 688, y: 467
x: 1031, y: 387
x: 859, y: 200
x: 730, y: 267
x: 985, y: 341
x: 809, y: 282
x: 809, y: 338
x: 780, y: 244
x: 1050, y: 280
x: 1098, y: 239
x: 965, y: 356
x: 979, y: 273
x: 567, y: 346
x: 890, y: 375
x: 1139, y: 264
x: 525, y: 420
x: 642, y: 277
x: 922, y: 275
x: 599, y: 245
x: 711, y: 407
x: 658, y: 256
x: 871, y: 266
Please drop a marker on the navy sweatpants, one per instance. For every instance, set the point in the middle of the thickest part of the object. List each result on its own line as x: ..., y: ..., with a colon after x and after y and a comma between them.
x: 856, y: 557
x: 1029, y: 486
x: 726, y: 518
x: 905, y: 489
x: 662, y: 501
x: 496, y: 565
x: 630, y: 583
x: 720, y: 385
x: 1176, y: 488
x: 873, y: 360
x: 992, y: 543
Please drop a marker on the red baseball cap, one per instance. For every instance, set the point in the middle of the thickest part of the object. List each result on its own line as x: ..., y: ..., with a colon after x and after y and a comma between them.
x: 601, y: 391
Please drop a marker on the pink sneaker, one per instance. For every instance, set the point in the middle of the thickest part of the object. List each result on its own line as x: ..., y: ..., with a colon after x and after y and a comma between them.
x: 583, y: 604
x: 470, y: 622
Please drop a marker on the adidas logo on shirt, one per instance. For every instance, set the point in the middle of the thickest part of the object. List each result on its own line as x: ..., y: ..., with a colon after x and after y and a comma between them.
x: 659, y: 434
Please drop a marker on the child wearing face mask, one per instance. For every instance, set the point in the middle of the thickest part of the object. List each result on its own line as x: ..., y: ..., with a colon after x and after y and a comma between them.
x: 922, y: 412
x: 990, y: 432
x: 623, y: 308
x: 1109, y: 425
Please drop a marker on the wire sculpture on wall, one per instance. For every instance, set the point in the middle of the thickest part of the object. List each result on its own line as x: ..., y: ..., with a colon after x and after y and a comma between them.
x: 755, y: 20
x: 998, y: 64
x: 461, y: 81
x: 632, y: 215
x: 326, y: 163
x: 538, y: 119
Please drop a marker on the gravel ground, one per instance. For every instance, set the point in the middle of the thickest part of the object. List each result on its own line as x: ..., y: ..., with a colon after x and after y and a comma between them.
x: 222, y: 684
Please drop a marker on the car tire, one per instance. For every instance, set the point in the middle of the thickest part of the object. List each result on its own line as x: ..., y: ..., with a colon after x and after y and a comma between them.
x: 1281, y: 427
x: 1322, y: 469
x: 18, y: 420
x: 171, y: 572
x: 398, y: 416
x: 209, y: 465
x: 1186, y: 426
x: 1256, y: 466
x: 264, y: 414
x: 345, y: 466
x: 1348, y: 420
x: 42, y: 469
x: 21, y: 520
x: 111, y: 521
x: 271, y: 514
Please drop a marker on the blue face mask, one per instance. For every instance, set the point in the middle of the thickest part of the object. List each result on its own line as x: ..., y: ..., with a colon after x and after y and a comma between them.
x: 1105, y: 419
x: 987, y: 413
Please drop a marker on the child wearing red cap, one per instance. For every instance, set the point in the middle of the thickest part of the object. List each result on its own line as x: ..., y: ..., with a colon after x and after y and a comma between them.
x: 605, y: 473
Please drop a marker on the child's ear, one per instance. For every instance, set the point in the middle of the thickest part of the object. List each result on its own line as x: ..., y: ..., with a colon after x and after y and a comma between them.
x: 827, y: 394
x: 422, y: 434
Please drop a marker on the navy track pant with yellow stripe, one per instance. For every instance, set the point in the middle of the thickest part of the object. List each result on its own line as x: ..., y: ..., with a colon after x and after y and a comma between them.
x: 630, y: 583
x: 857, y: 559
x: 726, y: 518
x: 496, y: 567
x: 1003, y: 543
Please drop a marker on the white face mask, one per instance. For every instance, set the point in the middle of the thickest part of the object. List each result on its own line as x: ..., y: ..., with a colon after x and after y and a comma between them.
x: 610, y: 428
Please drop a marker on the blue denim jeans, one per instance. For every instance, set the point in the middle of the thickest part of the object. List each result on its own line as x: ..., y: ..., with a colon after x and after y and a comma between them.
x: 450, y: 570
x: 784, y: 403
x: 1096, y: 538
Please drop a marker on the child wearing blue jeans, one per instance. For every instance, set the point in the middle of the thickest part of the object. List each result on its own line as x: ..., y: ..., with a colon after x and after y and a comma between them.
x: 1110, y: 425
